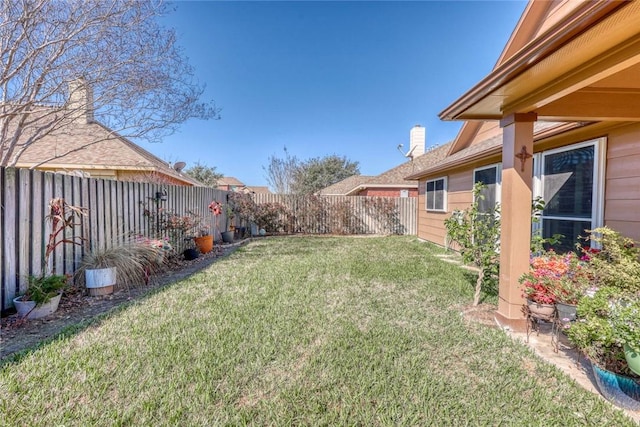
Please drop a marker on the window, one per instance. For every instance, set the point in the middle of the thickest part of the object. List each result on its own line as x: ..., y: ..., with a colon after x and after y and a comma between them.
x: 436, y: 192
x: 490, y: 177
x: 569, y: 181
x: 404, y: 193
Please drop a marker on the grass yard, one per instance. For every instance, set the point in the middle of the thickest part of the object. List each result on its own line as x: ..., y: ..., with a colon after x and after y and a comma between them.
x: 298, y: 331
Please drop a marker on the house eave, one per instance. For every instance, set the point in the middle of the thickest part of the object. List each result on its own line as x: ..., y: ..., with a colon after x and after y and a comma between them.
x: 489, y: 100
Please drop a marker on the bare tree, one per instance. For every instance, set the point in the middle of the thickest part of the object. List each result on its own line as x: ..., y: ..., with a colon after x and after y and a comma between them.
x: 281, y: 172
x: 108, y: 61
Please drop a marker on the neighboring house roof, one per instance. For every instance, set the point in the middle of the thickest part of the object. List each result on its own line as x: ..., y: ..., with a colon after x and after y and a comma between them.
x: 345, y: 186
x: 259, y: 190
x: 230, y: 180
x: 397, y: 176
x: 87, y: 146
x: 393, y: 178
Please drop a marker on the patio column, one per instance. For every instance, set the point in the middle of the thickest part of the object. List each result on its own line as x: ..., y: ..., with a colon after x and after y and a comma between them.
x: 515, y: 232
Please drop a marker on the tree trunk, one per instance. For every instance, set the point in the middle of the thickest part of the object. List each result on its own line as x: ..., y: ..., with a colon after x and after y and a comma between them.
x: 476, y: 296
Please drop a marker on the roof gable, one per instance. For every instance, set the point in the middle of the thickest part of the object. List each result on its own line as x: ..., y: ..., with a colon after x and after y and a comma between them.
x: 94, y: 146
x: 534, y: 19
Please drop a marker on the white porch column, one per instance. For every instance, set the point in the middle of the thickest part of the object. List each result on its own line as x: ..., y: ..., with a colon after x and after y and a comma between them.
x: 515, y: 233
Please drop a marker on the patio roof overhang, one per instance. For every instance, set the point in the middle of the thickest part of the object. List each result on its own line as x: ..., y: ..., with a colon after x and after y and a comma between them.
x: 585, y: 68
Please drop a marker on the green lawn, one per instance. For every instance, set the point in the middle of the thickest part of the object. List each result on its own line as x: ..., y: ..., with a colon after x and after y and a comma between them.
x: 298, y: 331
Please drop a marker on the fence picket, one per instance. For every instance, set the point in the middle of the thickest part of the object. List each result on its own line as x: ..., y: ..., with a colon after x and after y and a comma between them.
x: 9, y: 212
x: 24, y: 229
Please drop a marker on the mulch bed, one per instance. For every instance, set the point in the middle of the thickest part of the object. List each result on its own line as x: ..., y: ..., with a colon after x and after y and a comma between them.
x: 76, y: 306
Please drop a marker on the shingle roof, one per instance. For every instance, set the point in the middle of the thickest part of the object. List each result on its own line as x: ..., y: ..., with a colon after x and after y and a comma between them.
x: 260, y: 189
x: 345, y: 186
x: 486, y: 147
x: 397, y: 176
x: 94, y: 146
x: 230, y: 180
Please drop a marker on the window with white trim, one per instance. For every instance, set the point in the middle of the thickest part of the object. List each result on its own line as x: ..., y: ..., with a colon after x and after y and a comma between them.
x: 436, y: 194
x: 570, y: 181
x: 491, y: 177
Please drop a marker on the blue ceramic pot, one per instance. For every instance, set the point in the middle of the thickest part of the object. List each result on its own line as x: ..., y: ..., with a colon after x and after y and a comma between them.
x: 620, y: 390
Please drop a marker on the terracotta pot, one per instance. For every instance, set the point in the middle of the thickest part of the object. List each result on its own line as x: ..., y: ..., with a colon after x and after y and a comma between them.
x: 541, y: 311
x: 204, y: 244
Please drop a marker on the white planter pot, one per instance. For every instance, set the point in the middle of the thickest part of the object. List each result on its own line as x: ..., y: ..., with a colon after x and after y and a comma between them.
x: 29, y: 310
x: 100, y: 281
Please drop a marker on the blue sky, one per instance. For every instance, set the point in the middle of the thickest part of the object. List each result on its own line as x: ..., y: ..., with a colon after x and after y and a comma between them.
x: 321, y: 78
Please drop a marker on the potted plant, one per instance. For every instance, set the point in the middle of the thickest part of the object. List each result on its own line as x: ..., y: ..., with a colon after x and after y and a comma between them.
x: 204, y: 240
x: 227, y: 235
x: 44, y: 291
x: 42, y: 297
x: 190, y: 251
x: 625, y: 322
x: 606, y: 319
x: 538, y: 285
x: 571, y: 286
x: 121, y: 265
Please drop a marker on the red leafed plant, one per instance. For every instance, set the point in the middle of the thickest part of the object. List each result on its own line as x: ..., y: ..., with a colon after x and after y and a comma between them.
x: 62, y: 215
x: 555, y: 278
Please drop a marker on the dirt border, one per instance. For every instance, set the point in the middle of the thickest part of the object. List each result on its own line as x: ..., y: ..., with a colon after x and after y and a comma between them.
x: 77, y: 308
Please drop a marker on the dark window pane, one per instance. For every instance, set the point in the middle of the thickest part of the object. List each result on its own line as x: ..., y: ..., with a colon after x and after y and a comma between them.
x: 568, y: 183
x: 571, y: 230
x: 435, y: 194
x: 488, y: 177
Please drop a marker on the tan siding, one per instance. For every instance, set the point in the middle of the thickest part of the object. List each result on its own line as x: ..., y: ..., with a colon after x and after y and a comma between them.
x: 623, y: 167
x: 558, y: 11
x: 624, y: 142
x: 431, y: 224
x: 622, y: 191
x: 622, y: 210
x: 487, y: 130
x: 630, y: 229
x: 627, y: 188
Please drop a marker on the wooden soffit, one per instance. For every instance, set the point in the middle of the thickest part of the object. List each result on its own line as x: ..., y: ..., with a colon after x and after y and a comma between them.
x: 586, y: 68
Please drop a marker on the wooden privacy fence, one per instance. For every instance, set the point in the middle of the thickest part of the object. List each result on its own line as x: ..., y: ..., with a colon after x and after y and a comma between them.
x: 345, y: 214
x: 116, y: 209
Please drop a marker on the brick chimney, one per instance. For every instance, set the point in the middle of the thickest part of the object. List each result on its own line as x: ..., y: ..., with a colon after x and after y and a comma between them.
x: 80, y: 100
x: 417, y: 139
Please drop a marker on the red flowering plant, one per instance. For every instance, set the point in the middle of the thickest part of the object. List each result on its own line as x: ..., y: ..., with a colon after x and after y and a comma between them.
x: 555, y: 278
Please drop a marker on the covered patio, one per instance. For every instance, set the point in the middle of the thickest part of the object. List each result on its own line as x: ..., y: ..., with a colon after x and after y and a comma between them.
x: 581, y: 67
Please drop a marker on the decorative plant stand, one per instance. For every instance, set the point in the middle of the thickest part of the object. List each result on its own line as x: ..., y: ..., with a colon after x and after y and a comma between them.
x: 533, y: 323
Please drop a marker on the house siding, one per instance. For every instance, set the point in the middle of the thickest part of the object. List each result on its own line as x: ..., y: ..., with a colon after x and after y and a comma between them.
x: 621, y: 193
x: 622, y: 187
x: 431, y: 224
